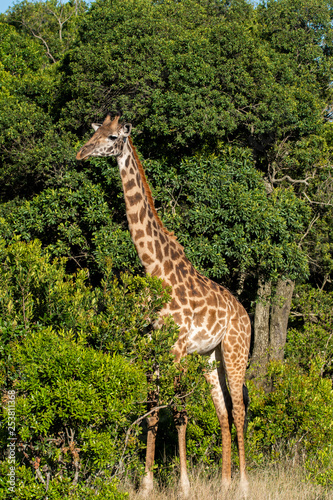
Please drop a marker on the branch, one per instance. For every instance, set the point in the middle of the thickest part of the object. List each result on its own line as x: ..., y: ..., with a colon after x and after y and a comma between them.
x: 35, y: 464
x: 293, y: 181
x: 75, y: 452
x: 326, y: 279
x: 40, y: 38
x: 58, y: 18
x: 314, y: 220
x: 318, y: 202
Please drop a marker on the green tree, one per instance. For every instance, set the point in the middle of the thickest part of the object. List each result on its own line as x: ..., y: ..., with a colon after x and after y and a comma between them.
x: 311, y: 335
x: 52, y: 23
x: 33, y: 151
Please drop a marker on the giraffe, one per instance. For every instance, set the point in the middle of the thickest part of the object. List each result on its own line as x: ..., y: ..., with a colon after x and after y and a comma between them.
x: 211, y: 320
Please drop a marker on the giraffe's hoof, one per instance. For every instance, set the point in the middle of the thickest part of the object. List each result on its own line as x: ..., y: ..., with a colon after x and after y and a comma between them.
x: 185, y: 488
x: 146, y: 487
x: 226, y: 483
x: 244, y: 487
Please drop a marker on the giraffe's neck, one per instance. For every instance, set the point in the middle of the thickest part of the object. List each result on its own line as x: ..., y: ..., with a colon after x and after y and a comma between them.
x: 153, y: 243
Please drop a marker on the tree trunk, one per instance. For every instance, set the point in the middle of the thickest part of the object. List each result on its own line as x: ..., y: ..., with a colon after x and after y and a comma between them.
x: 280, y: 311
x: 260, y: 353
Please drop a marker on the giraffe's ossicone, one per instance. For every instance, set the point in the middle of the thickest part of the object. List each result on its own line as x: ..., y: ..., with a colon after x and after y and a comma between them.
x: 211, y: 320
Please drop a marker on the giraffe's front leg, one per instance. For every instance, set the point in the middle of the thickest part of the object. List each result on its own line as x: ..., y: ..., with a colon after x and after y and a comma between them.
x: 180, y: 419
x: 152, y: 419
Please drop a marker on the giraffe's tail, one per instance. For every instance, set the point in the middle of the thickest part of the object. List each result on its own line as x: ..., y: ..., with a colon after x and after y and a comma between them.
x: 246, y: 400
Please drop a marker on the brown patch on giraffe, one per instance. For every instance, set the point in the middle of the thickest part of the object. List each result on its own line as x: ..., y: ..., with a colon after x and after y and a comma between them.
x: 173, y: 279
x: 177, y: 317
x: 133, y: 218
x: 199, y: 316
x: 142, y: 214
x: 150, y: 247
x: 150, y: 213
x: 195, y: 304
x: 211, y: 318
x: 166, y: 250
x: 180, y: 291
x: 135, y: 199
x: 148, y: 229
x: 198, y: 319
x: 181, y: 271
x: 131, y: 171
x: 159, y: 255
x: 162, y: 239
x: 174, y: 254
x: 129, y: 185
x: 141, y: 244
x: 174, y: 305
x: 123, y: 173
x: 194, y: 287
x: 146, y: 259
x: 182, y: 268
x: 233, y: 357
x: 212, y: 300
x: 168, y: 267
x: 139, y: 234
x: 127, y: 161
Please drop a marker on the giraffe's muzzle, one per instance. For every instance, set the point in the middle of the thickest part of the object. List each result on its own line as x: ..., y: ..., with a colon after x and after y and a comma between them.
x: 85, y: 152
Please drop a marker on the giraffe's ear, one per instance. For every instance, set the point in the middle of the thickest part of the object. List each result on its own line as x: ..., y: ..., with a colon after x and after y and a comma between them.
x: 127, y: 127
x: 95, y: 126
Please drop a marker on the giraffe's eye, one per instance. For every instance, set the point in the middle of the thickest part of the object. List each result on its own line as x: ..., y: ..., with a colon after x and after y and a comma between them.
x: 113, y: 137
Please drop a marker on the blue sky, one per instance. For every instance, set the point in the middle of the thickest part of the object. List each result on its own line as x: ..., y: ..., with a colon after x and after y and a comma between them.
x: 4, y: 4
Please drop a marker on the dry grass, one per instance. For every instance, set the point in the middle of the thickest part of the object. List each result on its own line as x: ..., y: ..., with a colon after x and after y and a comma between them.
x: 278, y: 483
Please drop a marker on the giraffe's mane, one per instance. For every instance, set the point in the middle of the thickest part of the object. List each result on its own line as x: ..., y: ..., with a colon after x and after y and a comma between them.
x: 149, y: 194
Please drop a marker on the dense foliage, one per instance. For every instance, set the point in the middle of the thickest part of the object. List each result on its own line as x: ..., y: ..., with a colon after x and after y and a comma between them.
x: 231, y: 106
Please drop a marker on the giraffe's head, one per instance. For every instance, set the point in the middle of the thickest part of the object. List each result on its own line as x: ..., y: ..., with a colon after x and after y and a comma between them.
x: 108, y: 139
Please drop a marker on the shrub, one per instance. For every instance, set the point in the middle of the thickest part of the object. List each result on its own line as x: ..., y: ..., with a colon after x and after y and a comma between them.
x: 73, y: 406
x: 295, y: 418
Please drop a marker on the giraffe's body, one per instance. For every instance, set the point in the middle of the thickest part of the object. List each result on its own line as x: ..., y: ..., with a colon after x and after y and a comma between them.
x: 212, y: 322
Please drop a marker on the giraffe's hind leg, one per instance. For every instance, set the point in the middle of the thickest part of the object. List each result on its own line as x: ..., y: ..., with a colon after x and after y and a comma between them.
x: 222, y: 402
x: 180, y: 419
x: 235, y: 356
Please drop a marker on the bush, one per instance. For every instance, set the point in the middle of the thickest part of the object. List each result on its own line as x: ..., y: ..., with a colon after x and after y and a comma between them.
x: 57, y: 488
x: 295, y: 418
x: 73, y: 406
